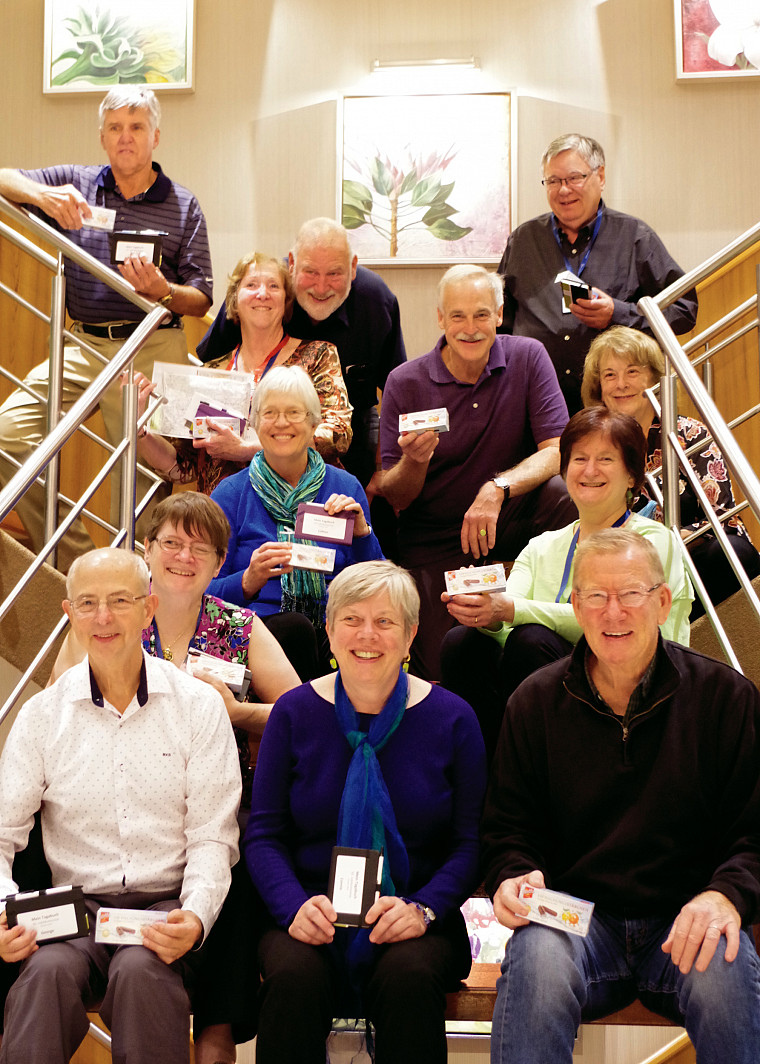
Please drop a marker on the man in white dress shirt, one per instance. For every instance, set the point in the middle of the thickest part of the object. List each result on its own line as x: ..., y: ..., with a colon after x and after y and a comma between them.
x: 135, y: 768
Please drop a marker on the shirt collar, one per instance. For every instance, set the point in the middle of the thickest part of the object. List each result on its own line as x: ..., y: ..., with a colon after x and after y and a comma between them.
x: 142, y: 687
x: 584, y: 233
x: 640, y: 697
x: 157, y: 192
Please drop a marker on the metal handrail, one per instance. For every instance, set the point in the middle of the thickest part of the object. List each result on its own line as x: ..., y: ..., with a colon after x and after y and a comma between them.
x: 702, y: 272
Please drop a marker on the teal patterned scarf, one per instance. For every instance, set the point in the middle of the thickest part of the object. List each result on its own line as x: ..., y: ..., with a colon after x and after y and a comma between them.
x: 303, y: 591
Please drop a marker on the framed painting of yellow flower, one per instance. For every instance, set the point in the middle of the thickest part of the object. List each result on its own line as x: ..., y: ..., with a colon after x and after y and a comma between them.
x: 92, y: 45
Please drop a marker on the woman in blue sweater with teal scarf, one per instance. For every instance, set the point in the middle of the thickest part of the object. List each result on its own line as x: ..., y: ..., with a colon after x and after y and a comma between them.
x: 369, y: 758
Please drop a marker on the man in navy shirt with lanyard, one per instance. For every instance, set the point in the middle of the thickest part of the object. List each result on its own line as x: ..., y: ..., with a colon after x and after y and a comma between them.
x: 140, y: 196
x: 618, y: 256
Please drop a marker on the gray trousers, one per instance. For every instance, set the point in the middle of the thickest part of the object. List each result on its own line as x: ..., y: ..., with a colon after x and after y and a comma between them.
x: 143, y: 1001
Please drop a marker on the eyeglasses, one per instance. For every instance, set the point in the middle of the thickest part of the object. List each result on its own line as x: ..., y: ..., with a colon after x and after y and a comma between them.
x: 173, y: 546
x: 294, y: 415
x: 629, y: 600
x: 118, y: 602
x: 553, y: 184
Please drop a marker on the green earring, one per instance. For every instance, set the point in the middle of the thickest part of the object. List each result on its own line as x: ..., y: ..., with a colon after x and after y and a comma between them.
x: 333, y: 663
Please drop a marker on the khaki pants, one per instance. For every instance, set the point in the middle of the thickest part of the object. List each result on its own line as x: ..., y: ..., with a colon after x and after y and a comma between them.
x: 23, y: 423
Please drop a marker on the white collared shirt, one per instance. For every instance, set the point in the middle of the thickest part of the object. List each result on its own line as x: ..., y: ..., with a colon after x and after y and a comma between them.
x: 145, y: 800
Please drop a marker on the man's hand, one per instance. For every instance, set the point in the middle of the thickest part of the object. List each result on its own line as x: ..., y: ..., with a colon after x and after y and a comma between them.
x: 479, y: 524
x: 176, y: 937
x: 144, y: 277
x: 64, y: 203
x: 698, y: 928
x: 507, y: 907
x: 16, y: 944
x: 480, y: 610
x: 314, y: 923
x: 395, y: 920
x: 418, y: 446
x: 595, y: 312
x: 268, y: 560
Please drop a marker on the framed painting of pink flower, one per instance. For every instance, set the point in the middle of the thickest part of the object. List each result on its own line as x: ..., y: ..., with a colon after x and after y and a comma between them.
x: 92, y: 45
x: 717, y: 38
x: 426, y: 178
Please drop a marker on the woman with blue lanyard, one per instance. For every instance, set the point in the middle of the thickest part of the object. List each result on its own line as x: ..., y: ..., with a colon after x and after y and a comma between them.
x: 368, y: 758
x: 506, y: 636
x: 260, y: 298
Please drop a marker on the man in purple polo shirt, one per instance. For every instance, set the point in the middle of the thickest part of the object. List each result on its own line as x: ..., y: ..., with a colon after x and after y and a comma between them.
x: 141, y: 197
x: 485, y: 487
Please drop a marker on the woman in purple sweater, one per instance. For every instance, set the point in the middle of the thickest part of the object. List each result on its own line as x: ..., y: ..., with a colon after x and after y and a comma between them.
x: 376, y: 759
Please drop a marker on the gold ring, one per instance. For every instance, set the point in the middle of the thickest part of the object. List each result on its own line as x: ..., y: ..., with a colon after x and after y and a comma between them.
x: 477, y: 619
x: 482, y: 532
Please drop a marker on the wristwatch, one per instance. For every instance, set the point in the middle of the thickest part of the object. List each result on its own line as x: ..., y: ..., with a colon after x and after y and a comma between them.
x: 166, y: 300
x: 503, y: 483
x: 425, y: 911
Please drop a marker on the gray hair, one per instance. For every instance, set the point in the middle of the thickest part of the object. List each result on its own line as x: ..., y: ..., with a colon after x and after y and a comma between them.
x: 292, y: 381
x: 135, y: 97
x: 618, y: 541
x: 366, y: 579
x: 465, y: 272
x: 120, y: 559
x: 322, y: 232
x: 588, y: 148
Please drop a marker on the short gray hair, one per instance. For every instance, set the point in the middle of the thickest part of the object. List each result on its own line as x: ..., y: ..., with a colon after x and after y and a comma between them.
x: 465, y: 272
x: 618, y: 541
x: 322, y: 232
x: 366, y: 579
x: 291, y: 381
x: 588, y: 148
x: 121, y: 559
x: 136, y: 98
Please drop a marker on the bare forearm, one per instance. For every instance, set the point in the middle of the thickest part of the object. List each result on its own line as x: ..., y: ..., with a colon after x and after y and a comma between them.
x: 188, y: 300
x: 251, y: 716
x: 402, y: 484
x: 14, y: 186
x: 157, y: 452
x: 533, y: 471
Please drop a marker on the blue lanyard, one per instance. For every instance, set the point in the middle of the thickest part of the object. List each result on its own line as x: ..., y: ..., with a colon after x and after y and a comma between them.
x: 571, y: 554
x: 587, y: 252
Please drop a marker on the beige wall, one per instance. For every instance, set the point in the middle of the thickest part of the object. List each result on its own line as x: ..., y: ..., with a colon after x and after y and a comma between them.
x: 678, y: 154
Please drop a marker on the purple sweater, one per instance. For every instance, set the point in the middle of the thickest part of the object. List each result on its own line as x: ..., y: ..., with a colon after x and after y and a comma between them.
x: 434, y: 768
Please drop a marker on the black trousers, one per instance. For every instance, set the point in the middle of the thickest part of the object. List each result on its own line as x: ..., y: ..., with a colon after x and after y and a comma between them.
x: 404, y: 996
x: 476, y: 668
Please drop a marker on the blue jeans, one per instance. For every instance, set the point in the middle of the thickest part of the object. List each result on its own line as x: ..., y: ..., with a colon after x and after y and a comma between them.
x: 551, y: 982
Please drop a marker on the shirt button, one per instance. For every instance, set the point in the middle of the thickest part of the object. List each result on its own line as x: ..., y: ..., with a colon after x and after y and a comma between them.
x: 567, y: 371
x: 567, y: 337
x: 575, y: 251
x: 474, y: 406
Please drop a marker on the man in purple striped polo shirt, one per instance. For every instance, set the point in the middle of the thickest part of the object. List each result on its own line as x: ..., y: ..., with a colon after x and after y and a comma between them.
x: 142, y: 197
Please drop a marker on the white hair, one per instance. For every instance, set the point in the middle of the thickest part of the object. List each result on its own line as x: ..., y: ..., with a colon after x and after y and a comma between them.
x: 322, y: 232
x: 136, y: 98
x: 465, y: 272
x: 588, y: 148
x: 120, y: 558
x: 287, y: 380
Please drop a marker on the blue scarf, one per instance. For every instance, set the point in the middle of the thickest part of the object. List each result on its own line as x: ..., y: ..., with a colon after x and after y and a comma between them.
x: 303, y: 591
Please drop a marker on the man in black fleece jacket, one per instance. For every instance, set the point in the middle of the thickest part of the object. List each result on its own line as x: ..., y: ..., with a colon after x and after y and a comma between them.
x: 628, y: 774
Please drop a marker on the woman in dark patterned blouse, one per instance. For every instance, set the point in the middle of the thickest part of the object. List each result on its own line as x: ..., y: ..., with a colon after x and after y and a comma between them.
x: 260, y: 297
x: 620, y: 365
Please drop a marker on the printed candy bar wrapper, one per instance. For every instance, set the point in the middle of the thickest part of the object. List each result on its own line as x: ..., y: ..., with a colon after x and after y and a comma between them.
x: 469, y: 581
x: 554, y: 909
x: 202, y: 429
x: 123, y: 927
x: 423, y: 420
x: 306, y: 556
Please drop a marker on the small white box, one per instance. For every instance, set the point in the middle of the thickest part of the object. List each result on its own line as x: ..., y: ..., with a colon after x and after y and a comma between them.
x: 202, y: 429
x: 555, y: 909
x: 475, y: 579
x: 123, y: 927
x: 425, y: 420
x: 305, y: 556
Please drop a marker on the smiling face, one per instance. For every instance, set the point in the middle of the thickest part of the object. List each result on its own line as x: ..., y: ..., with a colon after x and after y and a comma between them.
x: 621, y: 638
x: 597, y: 478
x: 128, y: 140
x: 108, y: 636
x: 180, y: 564
x: 623, y: 383
x: 322, y: 276
x: 469, y: 318
x: 369, y: 642
x: 574, y: 207
x: 282, y: 439
x: 260, y: 297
